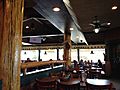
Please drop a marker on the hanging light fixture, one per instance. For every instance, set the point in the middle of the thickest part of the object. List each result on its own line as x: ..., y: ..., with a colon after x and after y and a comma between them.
x: 24, y: 52
x: 45, y: 53
x: 97, y: 28
x: 91, y: 52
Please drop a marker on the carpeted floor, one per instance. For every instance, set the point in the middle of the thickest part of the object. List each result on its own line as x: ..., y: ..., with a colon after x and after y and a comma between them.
x: 116, y: 83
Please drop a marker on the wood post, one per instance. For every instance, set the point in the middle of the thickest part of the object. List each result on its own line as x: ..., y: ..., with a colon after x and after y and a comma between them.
x: 58, y: 54
x: 67, y: 43
x: 78, y: 52
x: 11, y: 19
x: 24, y: 71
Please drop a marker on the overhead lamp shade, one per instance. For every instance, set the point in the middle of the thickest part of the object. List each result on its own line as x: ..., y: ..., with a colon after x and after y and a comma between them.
x: 45, y: 53
x: 91, y: 52
x: 97, y: 28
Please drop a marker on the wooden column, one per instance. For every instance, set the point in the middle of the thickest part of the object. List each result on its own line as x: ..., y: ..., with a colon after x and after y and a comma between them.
x: 11, y: 19
x: 39, y: 52
x: 78, y: 53
x: 58, y: 54
x: 67, y: 44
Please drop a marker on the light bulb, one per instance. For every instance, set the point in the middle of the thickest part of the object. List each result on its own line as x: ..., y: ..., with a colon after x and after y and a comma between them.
x: 114, y: 7
x: 56, y: 9
x: 96, y: 30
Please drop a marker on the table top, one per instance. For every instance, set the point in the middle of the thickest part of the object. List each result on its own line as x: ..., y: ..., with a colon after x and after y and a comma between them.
x: 72, y: 81
x: 94, y: 68
x: 98, y: 82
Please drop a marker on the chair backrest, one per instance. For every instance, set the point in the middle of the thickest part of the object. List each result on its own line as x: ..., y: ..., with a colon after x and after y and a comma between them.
x: 75, y: 75
x: 68, y: 87
x: 93, y: 74
x: 42, y: 85
x: 95, y: 87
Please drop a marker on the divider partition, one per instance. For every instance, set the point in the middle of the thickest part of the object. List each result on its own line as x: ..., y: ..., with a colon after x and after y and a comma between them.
x: 27, y: 78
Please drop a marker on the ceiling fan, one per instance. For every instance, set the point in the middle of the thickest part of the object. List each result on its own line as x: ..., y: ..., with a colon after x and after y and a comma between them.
x: 97, y: 25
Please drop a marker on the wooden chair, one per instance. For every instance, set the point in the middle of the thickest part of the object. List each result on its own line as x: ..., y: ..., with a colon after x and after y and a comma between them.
x: 43, y: 85
x: 94, y: 74
x: 96, y: 87
x: 75, y: 75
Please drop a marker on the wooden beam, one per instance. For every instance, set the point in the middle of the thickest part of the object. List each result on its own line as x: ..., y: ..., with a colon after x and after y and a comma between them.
x: 41, y: 63
x: 56, y: 46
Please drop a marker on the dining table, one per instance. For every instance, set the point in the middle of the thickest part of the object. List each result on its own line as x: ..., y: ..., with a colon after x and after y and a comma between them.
x: 99, y: 83
x: 71, y: 84
x: 71, y: 81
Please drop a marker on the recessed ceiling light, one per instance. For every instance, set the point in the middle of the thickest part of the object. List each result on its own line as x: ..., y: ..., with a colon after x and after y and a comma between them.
x: 27, y: 27
x: 56, y: 9
x: 114, y: 7
x: 108, y: 23
x: 71, y: 29
x: 77, y: 36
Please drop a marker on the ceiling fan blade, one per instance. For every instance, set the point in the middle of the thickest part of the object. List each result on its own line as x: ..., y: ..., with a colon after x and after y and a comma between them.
x: 91, y: 24
x: 105, y: 24
x: 96, y: 21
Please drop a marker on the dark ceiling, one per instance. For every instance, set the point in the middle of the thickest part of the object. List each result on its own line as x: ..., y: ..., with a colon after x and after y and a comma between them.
x: 48, y: 26
x: 85, y: 11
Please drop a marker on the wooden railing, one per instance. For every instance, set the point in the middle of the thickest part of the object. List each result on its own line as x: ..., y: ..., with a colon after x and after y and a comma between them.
x: 25, y: 66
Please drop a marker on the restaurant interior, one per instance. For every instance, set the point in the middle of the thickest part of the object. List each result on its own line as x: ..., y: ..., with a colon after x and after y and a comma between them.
x: 62, y: 45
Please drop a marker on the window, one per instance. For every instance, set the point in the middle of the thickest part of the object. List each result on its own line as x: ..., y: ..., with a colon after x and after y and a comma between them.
x: 74, y: 55
x: 32, y: 54
x: 85, y: 54
x: 61, y: 54
x: 48, y: 54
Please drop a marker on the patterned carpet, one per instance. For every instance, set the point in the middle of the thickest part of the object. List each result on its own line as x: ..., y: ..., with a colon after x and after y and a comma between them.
x: 116, y: 83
